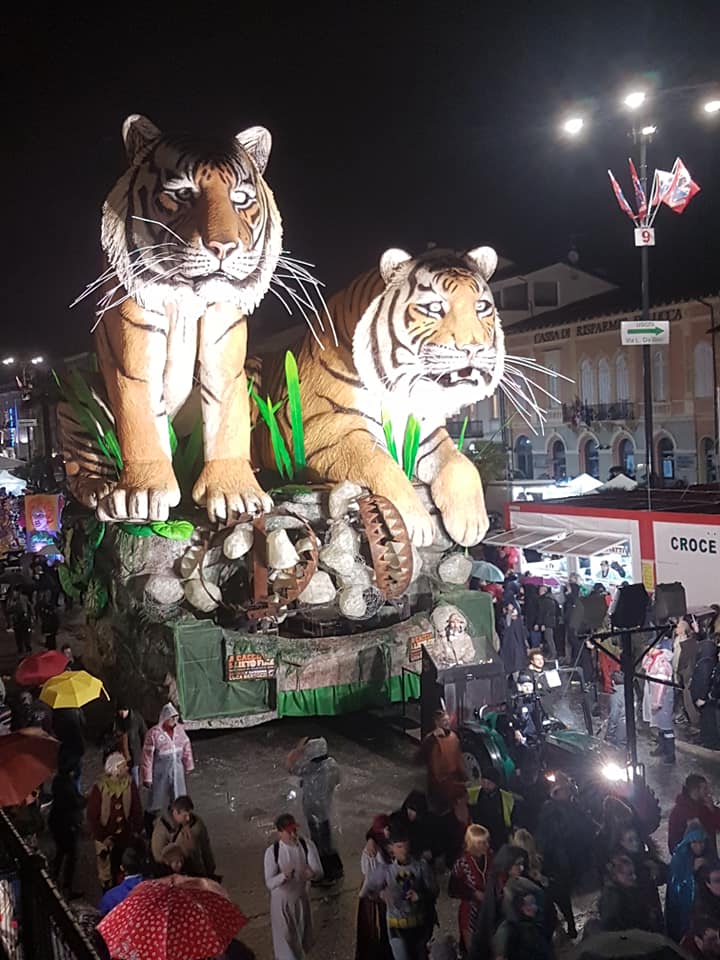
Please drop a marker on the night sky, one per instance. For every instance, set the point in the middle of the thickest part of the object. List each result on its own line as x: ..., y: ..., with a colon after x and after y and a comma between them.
x: 394, y: 124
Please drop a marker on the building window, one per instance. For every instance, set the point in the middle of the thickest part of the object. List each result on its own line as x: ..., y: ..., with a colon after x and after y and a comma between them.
x: 591, y: 458
x: 666, y: 458
x: 707, y: 459
x: 622, y: 380
x: 703, y: 370
x: 515, y: 297
x: 545, y: 293
x: 553, y: 361
x: 587, y: 382
x: 559, y: 465
x: 524, y: 457
x: 626, y: 456
x: 659, y: 380
x: 604, y: 383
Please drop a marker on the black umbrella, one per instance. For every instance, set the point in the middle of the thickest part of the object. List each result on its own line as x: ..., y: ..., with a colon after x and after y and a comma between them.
x: 628, y: 945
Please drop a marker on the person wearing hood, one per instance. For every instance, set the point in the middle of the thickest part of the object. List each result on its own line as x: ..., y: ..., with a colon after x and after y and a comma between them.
x: 319, y: 776
x: 520, y: 936
x: 513, y: 645
x: 510, y: 863
x: 690, y: 854
x: 658, y: 698
x: 68, y: 724
x: 423, y: 829
x: 114, y: 816
x: 167, y: 756
x: 693, y: 803
x: 128, y: 735
x: 442, y: 755
x: 702, y: 695
x: 371, y: 940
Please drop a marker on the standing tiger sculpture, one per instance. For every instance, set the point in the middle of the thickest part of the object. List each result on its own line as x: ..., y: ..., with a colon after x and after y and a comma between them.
x: 420, y: 337
x: 192, y: 237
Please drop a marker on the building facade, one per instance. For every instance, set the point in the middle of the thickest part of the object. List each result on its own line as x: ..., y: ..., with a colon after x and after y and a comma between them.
x: 596, y: 421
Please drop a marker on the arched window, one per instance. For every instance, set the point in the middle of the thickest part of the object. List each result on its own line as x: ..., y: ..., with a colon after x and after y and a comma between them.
x: 622, y: 380
x: 591, y: 458
x: 659, y: 379
x: 703, y: 370
x: 707, y: 460
x: 603, y: 384
x: 666, y: 458
x: 587, y: 382
x: 626, y: 456
x: 524, y: 457
x: 559, y: 464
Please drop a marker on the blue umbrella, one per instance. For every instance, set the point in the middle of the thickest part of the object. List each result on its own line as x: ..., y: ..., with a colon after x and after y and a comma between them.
x: 482, y: 570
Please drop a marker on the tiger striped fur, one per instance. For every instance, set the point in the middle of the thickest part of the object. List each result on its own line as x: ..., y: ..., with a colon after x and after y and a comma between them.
x: 420, y: 336
x: 192, y: 237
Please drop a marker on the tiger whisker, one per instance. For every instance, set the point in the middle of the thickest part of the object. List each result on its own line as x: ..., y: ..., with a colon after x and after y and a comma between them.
x: 294, y: 297
x: 525, y: 416
x: 538, y: 367
x: 159, y: 223
x: 303, y: 276
x: 530, y: 404
x: 280, y: 298
x: 537, y: 386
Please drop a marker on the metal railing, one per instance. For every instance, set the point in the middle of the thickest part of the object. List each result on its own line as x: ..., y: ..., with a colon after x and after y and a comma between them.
x: 35, y: 921
x: 588, y: 413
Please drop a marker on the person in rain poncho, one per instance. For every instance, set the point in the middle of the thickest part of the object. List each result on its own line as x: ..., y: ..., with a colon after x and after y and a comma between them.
x: 290, y: 864
x: 658, y: 701
x: 690, y: 854
x: 166, y: 758
x: 319, y: 776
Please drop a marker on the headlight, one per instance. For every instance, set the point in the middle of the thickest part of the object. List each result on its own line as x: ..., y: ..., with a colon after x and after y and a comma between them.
x: 614, y: 773
x: 550, y: 777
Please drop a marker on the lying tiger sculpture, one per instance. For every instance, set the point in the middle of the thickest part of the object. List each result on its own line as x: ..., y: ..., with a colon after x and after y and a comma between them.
x: 192, y: 237
x: 422, y: 336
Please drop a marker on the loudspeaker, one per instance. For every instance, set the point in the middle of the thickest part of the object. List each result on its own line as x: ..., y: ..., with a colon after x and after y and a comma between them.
x: 593, y: 612
x: 670, y: 601
x: 630, y: 607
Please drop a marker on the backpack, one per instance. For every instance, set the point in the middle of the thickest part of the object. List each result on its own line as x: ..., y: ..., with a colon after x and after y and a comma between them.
x: 276, y: 850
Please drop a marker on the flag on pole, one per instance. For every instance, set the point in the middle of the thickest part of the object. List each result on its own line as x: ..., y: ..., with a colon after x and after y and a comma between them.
x: 620, y: 197
x: 681, y: 189
x: 640, y: 198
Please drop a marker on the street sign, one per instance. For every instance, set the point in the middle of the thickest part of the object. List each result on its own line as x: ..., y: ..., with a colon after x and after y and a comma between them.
x: 638, y: 333
x: 645, y: 236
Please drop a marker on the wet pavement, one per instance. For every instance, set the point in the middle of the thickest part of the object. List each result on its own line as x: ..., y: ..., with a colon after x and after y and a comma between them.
x: 240, y: 785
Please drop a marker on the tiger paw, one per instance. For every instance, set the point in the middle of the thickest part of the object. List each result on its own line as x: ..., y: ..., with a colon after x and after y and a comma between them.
x: 458, y: 494
x: 90, y: 490
x: 418, y: 522
x: 145, y: 491
x: 228, y: 489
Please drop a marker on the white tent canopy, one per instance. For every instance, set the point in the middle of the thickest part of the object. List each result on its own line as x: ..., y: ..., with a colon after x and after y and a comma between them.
x: 12, y: 484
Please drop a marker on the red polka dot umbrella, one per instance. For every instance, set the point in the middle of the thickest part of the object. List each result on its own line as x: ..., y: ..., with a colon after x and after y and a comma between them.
x: 167, y: 921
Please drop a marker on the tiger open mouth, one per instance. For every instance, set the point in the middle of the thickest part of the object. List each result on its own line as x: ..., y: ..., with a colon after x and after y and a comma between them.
x: 467, y: 376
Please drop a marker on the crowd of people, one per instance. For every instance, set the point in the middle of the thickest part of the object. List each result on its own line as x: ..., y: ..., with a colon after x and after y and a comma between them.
x: 514, y: 867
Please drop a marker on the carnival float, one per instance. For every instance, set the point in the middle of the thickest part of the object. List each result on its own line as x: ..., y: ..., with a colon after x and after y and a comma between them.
x: 271, y: 535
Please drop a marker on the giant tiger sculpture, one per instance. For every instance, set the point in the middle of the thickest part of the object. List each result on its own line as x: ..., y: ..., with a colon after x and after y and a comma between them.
x: 192, y: 237
x: 421, y: 336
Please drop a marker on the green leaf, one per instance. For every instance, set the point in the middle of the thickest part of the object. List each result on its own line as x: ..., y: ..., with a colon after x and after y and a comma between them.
x: 292, y: 380
x: 267, y: 412
x: 173, y: 439
x: 67, y: 583
x: 173, y: 529
x: 187, y: 461
x: 411, y: 445
x: 137, y: 529
x: 461, y: 438
x: 96, y: 599
x: 389, y: 438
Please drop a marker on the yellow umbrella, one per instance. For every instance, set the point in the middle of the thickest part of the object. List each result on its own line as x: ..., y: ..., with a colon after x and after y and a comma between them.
x: 74, y: 688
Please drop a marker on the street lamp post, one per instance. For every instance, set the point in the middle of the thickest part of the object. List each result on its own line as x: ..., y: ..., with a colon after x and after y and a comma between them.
x: 643, y: 138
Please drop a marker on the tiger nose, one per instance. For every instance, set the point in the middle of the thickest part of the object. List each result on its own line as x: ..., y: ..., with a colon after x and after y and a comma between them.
x: 222, y: 250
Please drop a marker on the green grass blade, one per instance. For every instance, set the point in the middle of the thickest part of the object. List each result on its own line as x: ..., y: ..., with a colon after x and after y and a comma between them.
x: 173, y: 439
x: 292, y: 380
x: 389, y: 438
x: 461, y: 438
x: 267, y: 412
x: 411, y: 445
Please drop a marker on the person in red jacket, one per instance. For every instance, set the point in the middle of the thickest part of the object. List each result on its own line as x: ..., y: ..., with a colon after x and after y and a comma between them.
x: 693, y: 803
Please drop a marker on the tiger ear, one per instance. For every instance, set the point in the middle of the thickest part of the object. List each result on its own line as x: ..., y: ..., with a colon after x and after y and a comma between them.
x: 138, y: 132
x: 390, y: 261
x: 485, y: 259
x: 256, y: 141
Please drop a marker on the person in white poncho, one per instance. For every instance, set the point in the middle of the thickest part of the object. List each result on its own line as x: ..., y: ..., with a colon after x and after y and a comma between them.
x: 291, y: 863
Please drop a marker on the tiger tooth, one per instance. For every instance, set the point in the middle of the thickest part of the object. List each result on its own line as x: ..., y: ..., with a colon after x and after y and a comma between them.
x: 454, y: 376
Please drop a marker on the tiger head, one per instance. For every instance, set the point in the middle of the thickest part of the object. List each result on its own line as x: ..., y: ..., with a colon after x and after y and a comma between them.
x: 193, y: 216
x: 432, y: 340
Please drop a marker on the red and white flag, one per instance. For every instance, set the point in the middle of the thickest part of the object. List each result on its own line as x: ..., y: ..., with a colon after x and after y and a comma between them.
x: 640, y: 198
x: 682, y: 188
x: 620, y: 197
